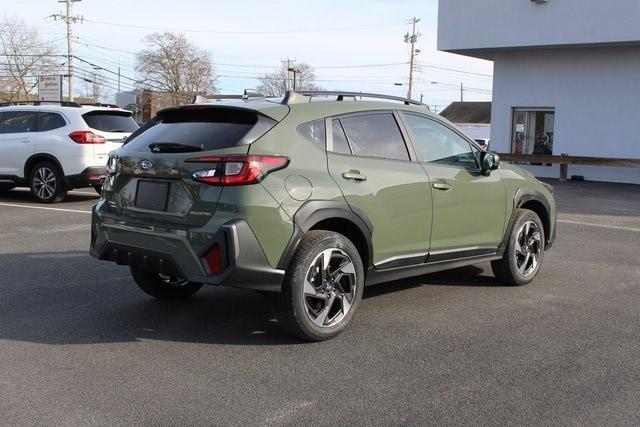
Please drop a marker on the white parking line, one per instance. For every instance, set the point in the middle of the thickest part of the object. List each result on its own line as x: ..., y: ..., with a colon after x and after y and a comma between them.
x: 14, y: 205
x: 590, y: 224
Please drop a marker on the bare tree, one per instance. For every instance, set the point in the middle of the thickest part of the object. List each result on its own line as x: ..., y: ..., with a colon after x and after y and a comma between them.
x: 93, y: 87
x: 24, y: 56
x: 278, y: 82
x: 172, y: 64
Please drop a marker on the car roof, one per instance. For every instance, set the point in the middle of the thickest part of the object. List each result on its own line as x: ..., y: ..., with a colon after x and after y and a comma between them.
x: 274, y: 108
x: 53, y: 107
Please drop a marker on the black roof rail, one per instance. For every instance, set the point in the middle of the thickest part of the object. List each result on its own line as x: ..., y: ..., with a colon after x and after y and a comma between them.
x: 61, y: 103
x: 300, y: 96
x: 248, y: 95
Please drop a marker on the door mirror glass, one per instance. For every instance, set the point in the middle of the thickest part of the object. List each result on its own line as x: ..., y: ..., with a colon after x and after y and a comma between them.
x: 490, y: 161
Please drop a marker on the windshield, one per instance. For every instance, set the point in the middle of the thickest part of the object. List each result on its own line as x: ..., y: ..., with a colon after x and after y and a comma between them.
x: 110, y: 121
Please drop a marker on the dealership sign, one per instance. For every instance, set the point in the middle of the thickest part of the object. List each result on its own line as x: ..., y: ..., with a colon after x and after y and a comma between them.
x: 50, y: 88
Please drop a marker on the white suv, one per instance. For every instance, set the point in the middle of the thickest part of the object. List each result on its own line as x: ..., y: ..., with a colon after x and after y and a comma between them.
x: 55, y: 147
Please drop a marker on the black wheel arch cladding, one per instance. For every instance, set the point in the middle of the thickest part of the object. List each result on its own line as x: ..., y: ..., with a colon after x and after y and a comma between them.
x: 334, y: 216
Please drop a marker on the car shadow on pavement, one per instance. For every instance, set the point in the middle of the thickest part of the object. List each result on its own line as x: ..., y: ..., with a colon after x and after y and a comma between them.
x: 23, y: 195
x: 462, y: 276
x: 63, y: 298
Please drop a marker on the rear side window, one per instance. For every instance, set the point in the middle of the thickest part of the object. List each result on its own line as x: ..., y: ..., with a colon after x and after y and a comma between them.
x: 50, y: 121
x: 340, y: 144
x: 375, y: 135
x: 18, y: 121
x: 110, y: 121
x: 202, y: 129
x: 314, y: 131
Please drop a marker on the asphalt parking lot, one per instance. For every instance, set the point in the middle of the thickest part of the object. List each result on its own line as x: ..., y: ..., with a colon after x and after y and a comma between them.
x: 80, y: 344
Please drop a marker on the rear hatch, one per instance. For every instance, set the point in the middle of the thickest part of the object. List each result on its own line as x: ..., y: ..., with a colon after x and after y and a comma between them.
x: 152, y: 178
x: 114, y: 125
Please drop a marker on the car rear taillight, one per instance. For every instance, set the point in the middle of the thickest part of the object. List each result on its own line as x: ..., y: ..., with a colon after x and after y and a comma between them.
x: 237, y: 170
x: 86, y: 137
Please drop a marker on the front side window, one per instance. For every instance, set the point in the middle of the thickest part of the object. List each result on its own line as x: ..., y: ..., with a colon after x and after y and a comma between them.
x: 50, y: 121
x: 375, y: 135
x: 532, y: 131
x: 437, y: 143
x: 18, y: 121
x: 314, y: 131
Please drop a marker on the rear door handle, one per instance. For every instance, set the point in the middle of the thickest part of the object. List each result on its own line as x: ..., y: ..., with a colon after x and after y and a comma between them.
x: 442, y: 186
x: 355, y: 175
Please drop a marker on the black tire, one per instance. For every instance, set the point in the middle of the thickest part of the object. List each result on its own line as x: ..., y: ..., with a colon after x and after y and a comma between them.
x: 98, y: 188
x: 294, y: 307
x: 164, y: 287
x: 47, y: 183
x: 515, y: 268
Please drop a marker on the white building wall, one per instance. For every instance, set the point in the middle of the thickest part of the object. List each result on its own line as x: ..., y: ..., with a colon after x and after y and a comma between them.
x: 475, y: 130
x: 468, y: 25
x: 596, y: 96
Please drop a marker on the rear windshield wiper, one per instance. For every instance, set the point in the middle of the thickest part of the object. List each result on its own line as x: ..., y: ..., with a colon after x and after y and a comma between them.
x: 170, y: 147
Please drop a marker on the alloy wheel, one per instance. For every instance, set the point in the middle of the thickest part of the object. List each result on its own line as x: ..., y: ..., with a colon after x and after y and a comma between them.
x: 44, y: 183
x: 329, y: 287
x: 528, y: 248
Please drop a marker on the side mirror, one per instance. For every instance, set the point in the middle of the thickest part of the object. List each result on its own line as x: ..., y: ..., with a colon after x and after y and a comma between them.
x: 489, y: 161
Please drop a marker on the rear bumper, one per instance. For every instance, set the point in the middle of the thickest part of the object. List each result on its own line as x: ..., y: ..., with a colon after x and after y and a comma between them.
x: 90, y: 176
x: 171, y: 252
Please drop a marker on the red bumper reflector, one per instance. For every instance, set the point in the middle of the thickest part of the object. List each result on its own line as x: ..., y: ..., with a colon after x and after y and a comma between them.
x: 214, y: 260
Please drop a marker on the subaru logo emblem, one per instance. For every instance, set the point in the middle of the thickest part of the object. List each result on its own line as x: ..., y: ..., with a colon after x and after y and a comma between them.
x: 145, y: 165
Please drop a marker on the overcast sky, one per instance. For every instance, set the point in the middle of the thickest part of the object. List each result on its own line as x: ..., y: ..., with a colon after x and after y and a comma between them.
x: 247, y: 38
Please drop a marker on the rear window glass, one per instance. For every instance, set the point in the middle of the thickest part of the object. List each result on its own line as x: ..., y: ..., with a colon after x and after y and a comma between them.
x: 50, y: 121
x: 110, y: 121
x: 18, y: 121
x: 194, y: 130
x: 375, y: 135
x: 340, y: 144
x: 314, y: 131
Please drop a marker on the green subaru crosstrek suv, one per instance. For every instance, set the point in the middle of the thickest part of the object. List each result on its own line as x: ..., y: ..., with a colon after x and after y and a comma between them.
x: 311, y: 201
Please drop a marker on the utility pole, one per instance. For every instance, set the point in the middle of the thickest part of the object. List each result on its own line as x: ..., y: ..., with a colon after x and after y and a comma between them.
x: 289, y: 68
x: 69, y: 19
x: 118, y: 78
x: 412, y: 39
x: 461, y: 92
x: 295, y: 72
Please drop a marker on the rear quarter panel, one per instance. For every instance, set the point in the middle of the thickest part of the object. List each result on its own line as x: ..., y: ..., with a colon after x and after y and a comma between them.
x: 306, y: 177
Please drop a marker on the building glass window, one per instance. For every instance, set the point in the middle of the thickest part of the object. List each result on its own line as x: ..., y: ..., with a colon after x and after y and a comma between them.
x: 532, y: 131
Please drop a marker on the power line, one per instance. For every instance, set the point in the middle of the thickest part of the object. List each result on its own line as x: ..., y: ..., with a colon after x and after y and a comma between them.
x: 190, y: 30
x: 86, y: 72
x: 439, y: 67
x: 118, y: 74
